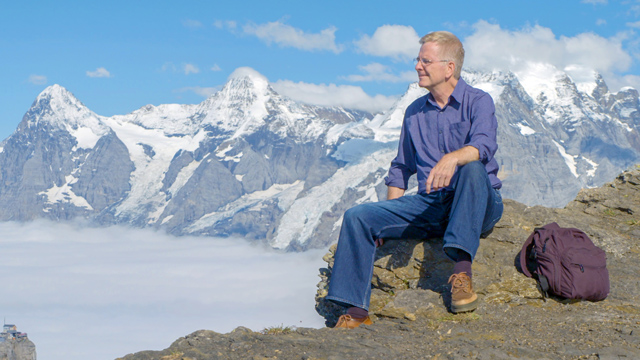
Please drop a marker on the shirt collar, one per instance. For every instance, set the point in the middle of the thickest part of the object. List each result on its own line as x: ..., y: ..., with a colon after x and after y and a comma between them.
x: 458, y: 92
x: 456, y: 95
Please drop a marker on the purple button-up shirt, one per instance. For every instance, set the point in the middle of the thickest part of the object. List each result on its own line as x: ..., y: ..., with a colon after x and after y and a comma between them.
x: 429, y: 132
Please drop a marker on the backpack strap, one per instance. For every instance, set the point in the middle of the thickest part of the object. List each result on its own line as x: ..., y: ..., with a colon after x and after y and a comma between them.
x: 524, y: 254
x: 543, y: 286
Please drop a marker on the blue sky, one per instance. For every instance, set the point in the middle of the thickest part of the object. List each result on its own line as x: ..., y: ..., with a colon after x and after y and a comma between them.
x: 118, y: 56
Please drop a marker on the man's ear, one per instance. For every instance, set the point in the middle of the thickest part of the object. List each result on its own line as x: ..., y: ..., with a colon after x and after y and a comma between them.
x: 451, y: 69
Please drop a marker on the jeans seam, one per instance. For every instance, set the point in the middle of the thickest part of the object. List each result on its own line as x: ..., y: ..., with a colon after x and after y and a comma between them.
x: 368, y: 285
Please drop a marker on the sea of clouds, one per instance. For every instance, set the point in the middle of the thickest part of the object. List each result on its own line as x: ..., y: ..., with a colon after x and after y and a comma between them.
x: 101, y: 293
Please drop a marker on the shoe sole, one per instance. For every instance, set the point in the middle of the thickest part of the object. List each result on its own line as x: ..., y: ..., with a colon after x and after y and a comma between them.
x: 465, y: 307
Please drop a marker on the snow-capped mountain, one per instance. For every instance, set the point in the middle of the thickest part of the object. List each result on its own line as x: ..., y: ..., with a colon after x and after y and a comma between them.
x: 248, y: 161
x: 555, y: 138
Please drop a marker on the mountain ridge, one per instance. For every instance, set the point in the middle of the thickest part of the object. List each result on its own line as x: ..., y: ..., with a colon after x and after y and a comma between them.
x: 248, y: 161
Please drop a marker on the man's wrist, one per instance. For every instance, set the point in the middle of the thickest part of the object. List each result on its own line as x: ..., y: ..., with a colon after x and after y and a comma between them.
x: 465, y: 155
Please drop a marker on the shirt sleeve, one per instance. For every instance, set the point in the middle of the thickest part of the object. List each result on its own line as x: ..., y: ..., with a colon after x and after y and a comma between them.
x: 404, y: 165
x: 484, y: 128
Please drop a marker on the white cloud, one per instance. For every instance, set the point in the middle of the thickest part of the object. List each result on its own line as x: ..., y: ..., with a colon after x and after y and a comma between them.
x: 492, y: 47
x: 595, y: 2
x: 601, y: 22
x: 77, y: 291
x: 625, y: 80
x: 347, y: 96
x: 287, y: 36
x: 215, y: 67
x: 192, y: 24
x: 168, y: 66
x: 635, y: 25
x: 228, y: 24
x: 99, y: 73
x: 190, y: 69
x: 395, y: 41
x: 202, y: 91
x: 379, y: 72
x: 37, y: 79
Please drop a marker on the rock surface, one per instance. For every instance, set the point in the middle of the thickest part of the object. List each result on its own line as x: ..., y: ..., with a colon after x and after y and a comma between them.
x: 17, y: 349
x: 411, y: 320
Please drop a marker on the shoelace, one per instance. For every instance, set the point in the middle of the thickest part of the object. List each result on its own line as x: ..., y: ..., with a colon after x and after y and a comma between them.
x: 344, y: 319
x: 459, y: 283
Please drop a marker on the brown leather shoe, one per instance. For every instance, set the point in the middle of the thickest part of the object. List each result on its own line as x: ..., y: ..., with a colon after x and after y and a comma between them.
x: 463, y: 298
x: 349, y: 322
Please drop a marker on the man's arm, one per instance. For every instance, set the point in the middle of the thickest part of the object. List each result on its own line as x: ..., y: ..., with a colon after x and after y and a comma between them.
x: 404, y: 164
x: 394, y: 192
x: 441, y: 174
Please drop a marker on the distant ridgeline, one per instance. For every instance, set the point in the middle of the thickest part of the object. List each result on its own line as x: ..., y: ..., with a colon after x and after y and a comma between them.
x: 15, y: 345
x: 250, y: 162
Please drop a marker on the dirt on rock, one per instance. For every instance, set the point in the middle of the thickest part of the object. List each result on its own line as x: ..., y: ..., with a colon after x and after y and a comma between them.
x: 513, y: 321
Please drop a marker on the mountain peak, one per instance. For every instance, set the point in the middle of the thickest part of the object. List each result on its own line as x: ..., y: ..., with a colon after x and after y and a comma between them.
x: 56, y: 98
x: 241, y: 103
x: 600, y: 89
x: 247, y: 72
x: 58, y: 107
x: 247, y: 80
x: 56, y: 91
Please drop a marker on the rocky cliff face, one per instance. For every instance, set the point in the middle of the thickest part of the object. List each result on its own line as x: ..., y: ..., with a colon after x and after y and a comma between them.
x: 249, y: 162
x: 512, y: 321
x: 17, y: 349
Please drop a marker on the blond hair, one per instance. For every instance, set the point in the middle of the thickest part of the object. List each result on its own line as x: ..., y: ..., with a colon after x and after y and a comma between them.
x: 450, y: 48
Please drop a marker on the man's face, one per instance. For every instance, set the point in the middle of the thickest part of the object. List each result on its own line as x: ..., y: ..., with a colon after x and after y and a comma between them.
x: 433, y: 74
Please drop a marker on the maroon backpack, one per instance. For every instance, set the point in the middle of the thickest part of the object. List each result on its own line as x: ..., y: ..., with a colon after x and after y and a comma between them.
x: 566, y: 263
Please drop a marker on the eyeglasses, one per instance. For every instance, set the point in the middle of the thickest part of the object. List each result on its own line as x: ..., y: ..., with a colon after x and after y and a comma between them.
x: 426, y: 62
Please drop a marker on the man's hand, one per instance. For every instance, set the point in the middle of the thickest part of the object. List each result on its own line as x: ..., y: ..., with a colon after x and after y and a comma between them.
x: 441, y: 174
x: 378, y: 242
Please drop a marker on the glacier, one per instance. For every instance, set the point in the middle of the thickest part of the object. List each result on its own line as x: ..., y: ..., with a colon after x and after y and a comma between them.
x: 250, y: 162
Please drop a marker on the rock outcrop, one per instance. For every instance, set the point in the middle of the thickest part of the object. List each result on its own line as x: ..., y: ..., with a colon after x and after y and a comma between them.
x: 17, y: 349
x: 410, y: 277
x: 512, y: 321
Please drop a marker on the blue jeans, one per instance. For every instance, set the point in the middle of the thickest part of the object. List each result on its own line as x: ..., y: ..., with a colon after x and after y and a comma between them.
x: 459, y: 216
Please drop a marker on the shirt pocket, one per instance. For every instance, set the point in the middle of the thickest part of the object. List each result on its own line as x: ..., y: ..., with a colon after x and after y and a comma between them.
x: 458, y: 134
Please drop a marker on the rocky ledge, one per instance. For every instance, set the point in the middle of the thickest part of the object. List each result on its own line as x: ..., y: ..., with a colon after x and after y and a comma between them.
x: 17, y: 349
x: 512, y: 321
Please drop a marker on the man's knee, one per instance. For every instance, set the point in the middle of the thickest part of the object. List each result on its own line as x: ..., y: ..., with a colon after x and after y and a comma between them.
x: 357, y: 212
x: 474, y: 166
x: 473, y: 170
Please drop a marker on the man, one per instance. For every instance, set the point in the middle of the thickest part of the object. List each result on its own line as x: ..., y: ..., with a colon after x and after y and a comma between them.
x: 448, y: 139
